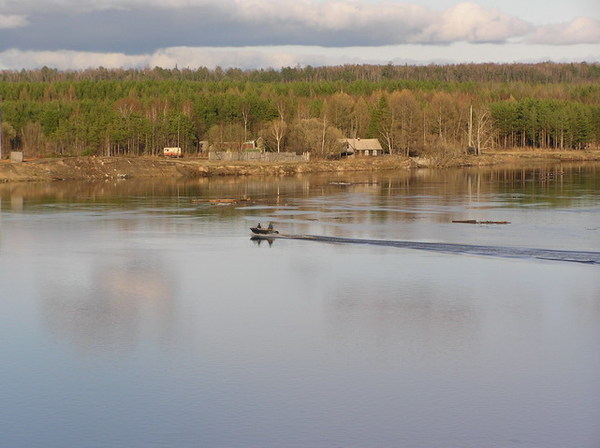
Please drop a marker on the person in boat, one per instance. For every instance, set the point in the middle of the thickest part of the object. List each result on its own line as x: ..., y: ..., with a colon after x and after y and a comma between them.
x: 270, y: 226
x: 259, y: 226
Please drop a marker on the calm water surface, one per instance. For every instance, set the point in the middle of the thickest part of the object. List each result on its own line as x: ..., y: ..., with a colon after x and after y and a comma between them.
x: 139, y: 314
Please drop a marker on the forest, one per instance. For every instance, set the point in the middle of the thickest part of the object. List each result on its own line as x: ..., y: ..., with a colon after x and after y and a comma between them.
x: 412, y: 110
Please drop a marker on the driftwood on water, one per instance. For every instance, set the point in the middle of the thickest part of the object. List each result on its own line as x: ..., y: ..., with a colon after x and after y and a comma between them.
x: 474, y: 221
x: 225, y: 201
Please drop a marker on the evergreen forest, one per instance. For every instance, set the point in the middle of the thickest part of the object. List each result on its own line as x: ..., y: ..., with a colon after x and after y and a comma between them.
x: 412, y: 110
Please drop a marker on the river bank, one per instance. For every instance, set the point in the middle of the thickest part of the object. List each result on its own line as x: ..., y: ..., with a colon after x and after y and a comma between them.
x: 97, y: 168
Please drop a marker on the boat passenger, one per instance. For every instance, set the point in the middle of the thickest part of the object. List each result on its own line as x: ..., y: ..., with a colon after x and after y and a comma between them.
x: 258, y: 226
x: 270, y: 226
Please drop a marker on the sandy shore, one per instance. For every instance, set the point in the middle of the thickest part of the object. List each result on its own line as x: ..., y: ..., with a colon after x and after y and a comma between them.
x: 96, y: 168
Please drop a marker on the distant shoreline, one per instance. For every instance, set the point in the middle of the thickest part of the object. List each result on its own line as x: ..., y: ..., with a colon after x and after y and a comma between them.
x: 99, y: 168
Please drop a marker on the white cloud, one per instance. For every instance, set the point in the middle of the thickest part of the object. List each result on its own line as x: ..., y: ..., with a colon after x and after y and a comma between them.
x: 66, y: 60
x: 244, y: 58
x: 582, y: 30
x: 276, y: 57
x: 99, y: 5
x: 12, y: 21
x: 470, y: 22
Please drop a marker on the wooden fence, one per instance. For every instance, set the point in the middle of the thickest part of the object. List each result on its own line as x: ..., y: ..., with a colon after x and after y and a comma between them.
x: 238, y: 156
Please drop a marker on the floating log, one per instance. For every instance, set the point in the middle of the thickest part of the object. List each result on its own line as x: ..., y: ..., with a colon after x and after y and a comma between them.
x: 474, y: 221
x: 221, y: 201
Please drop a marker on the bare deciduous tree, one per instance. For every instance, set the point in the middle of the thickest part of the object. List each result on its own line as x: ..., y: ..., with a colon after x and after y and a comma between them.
x: 316, y: 136
x: 278, y: 130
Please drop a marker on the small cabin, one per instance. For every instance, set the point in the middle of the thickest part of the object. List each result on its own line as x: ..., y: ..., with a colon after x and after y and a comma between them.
x: 172, y: 152
x: 254, y: 145
x: 369, y: 147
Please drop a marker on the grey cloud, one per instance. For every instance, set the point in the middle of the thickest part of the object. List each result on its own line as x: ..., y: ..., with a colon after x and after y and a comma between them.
x: 136, y: 26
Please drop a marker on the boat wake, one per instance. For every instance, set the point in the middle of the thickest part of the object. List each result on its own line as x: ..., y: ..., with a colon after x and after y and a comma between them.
x: 587, y: 257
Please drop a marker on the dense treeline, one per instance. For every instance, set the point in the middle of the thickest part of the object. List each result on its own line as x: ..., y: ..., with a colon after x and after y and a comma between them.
x: 411, y: 109
x: 547, y: 72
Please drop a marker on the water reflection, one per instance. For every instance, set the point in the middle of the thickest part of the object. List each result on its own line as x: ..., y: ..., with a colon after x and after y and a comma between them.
x: 554, y: 184
x: 413, y: 310
x: 414, y: 320
x: 258, y: 240
x: 110, y: 309
x: 186, y: 335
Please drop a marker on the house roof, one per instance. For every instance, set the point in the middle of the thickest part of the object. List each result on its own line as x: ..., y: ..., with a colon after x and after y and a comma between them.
x: 362, y: 144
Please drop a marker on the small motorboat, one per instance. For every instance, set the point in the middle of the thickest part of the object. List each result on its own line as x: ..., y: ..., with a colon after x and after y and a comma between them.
x: 258, y: 230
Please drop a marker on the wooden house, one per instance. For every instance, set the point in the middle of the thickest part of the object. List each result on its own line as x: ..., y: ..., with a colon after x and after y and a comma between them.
x: 361, y: 147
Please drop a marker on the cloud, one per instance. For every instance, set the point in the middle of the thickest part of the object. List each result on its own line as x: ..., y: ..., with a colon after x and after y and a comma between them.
x: 332, y: 15
x: 8, y: 21
x: 66, y: 60
x: 134, y: 26
x: 277, y: 57
x: 470, y: 22
x: 582, y: 30
x: 267, y: 33
x: 244, y: 58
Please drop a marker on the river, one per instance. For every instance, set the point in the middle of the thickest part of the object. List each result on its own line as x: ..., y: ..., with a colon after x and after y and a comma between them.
x: 140, y: 313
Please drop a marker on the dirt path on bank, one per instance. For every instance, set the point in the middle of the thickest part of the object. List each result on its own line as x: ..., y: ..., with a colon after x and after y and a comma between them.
x: 97, y: 168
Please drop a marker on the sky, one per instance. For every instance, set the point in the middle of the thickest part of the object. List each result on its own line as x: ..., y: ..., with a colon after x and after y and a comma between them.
x: 252, y: 34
